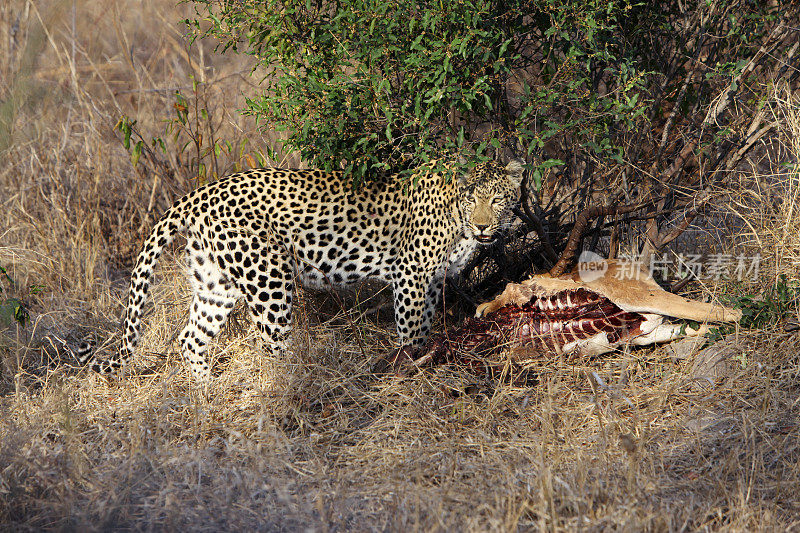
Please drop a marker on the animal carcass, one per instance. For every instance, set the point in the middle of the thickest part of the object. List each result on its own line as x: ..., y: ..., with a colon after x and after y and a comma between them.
x: 592, y: 310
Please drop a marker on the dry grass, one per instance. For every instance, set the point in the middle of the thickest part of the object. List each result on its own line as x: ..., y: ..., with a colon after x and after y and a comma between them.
x: 318, y: 442
x: 767, y: 199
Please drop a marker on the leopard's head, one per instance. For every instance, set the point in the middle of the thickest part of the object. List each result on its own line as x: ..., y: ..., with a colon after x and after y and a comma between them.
x: 488, y: 194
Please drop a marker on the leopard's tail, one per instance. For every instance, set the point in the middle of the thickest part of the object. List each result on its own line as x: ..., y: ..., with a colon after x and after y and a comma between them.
x: 172, y: 222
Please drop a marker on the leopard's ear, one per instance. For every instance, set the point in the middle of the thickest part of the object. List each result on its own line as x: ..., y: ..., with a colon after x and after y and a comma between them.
x: 514, y: 169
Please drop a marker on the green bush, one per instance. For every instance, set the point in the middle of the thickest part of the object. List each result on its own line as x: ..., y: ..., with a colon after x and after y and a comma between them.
x: 368, y: 85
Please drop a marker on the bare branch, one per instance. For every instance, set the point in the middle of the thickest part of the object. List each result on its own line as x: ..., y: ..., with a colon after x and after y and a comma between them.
x: 689, y: 216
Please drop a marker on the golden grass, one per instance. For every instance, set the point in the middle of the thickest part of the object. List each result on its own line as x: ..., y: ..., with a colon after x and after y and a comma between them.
x: 768, y: 202
x: 636, y: 441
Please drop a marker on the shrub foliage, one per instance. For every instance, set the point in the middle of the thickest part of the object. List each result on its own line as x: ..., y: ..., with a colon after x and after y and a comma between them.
x: 367, y: 85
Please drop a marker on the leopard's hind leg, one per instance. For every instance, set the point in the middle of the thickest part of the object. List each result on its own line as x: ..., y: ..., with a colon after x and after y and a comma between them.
x: 268, y: 286
x: 214, y: 298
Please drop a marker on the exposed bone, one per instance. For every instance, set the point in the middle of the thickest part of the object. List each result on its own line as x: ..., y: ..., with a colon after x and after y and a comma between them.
x: 590, y: 311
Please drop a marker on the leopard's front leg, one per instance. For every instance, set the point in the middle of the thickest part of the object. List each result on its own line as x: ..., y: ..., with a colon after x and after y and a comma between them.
x: 416, y: 293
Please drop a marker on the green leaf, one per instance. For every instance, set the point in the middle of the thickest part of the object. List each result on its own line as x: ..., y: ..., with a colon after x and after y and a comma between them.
x: 536, y: 175
x: 136, y: 153
x: 12, y: 310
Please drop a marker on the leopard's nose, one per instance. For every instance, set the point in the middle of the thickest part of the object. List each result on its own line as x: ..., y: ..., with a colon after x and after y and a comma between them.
x: 481, y: 227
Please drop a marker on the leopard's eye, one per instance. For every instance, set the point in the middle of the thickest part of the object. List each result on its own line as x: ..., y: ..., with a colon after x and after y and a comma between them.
x: 497, y: 200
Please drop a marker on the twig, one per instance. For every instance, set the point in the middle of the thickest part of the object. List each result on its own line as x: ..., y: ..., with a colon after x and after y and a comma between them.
x: 531, y: 220
x: 689, y: 216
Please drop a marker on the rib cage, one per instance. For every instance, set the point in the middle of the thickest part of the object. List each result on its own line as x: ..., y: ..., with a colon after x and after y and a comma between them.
x: 545, y: 323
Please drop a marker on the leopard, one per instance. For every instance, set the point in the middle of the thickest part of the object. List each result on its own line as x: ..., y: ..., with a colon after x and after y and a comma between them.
x: 255, y: 234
